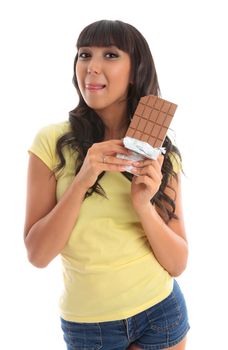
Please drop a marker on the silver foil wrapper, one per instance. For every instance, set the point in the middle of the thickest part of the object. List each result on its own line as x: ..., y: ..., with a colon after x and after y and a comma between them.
x: 140, y: 150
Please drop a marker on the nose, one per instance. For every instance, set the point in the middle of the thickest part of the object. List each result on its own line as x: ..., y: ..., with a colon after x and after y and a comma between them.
x: 94, y: 67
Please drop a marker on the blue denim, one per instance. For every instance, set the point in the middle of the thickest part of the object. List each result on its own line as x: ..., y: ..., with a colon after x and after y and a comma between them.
x: 159, y: 327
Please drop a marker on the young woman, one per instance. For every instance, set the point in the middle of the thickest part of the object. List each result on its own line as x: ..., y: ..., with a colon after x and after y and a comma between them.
x: 121, y: 236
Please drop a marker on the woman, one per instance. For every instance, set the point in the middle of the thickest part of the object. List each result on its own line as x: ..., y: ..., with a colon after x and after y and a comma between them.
x: 121, y: 236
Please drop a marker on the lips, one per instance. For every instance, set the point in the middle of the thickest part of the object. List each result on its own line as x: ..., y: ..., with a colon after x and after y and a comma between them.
x: 94, y: 87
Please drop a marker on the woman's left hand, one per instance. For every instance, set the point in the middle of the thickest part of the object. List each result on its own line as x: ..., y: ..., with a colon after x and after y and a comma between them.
x: 146, y: 182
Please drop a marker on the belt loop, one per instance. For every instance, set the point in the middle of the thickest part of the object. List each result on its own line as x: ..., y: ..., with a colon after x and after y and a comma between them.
x: 127, y: 329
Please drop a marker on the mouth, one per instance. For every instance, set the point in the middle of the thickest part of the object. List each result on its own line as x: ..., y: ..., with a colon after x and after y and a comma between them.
x: 94, y: 87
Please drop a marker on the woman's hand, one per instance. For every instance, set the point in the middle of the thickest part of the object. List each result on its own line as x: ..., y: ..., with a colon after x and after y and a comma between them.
x: 147, y: 182
x: 102, y: 157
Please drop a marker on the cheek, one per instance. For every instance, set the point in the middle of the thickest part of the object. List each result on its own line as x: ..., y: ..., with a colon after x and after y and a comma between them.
x: 124, y: 80
x: 80, y: 81
x: 79, y: 74
x: 125, y: 76
x: 121, y: 76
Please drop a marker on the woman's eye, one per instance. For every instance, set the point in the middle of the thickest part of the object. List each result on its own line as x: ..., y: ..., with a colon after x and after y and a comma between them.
x: 111, y: 55
x: 84, y: 55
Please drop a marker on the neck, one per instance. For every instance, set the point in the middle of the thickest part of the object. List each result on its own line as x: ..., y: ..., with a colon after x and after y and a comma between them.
x: 115, y: 122
x: 116, y: 132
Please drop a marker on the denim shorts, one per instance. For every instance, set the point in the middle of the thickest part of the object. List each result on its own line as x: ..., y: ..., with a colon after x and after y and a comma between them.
x: 159, y: 327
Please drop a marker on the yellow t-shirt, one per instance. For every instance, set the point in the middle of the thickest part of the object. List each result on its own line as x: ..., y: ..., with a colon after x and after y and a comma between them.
x: 109, y: 270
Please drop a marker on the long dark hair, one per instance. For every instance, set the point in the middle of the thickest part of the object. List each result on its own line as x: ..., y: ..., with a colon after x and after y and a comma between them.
x: 86, y: 126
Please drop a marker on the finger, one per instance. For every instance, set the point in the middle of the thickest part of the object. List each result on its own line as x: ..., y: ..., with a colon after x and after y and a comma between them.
x: 149, y: 170
x: 157, y: 164
x: 143, y: 180
x: 108, y: 144
x: 113, y: 167
x: 121, y: 150
x: 146, y: 162
x: 117, y: 142
x: 117, y: 160
x: 161, y: 159
x: 114, y: 149
x: 98, y: 153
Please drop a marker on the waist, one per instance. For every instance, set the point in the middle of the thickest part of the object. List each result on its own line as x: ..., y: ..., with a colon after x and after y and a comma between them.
x: 106, y: 293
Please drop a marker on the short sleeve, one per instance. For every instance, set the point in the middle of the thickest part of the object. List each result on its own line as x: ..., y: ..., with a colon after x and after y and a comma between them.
x: 44, y: 146
x: 176, y: 162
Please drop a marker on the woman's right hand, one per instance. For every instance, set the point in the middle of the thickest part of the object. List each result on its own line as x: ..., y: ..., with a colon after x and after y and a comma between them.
x: 102, y: 157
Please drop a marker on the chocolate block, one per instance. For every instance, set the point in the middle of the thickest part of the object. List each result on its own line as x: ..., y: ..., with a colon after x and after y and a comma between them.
x: 151, y: 120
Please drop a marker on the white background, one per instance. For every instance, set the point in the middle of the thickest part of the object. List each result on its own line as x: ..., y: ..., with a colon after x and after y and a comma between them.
x: 37, y: 44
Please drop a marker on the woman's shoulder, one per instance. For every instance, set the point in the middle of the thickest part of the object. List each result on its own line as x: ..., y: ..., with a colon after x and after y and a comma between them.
x: 55, y: 130
x: 176, y: 161
x: 44, y: 143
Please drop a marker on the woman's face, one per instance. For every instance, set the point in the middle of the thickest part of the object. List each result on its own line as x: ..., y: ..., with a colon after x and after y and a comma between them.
x: 103, y: 75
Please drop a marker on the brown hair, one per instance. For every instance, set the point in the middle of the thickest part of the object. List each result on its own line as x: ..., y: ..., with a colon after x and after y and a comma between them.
x: 86, y: 126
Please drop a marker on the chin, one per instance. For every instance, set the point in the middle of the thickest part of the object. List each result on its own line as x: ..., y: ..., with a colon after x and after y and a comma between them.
x: 96, y: 106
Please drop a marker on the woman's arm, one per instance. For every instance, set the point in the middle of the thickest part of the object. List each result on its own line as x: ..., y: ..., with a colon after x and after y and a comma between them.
x: 168, y: 241
x: 48, y: 224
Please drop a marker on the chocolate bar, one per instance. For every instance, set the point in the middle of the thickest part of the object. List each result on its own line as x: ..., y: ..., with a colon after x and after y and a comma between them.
x: 151, y: 120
